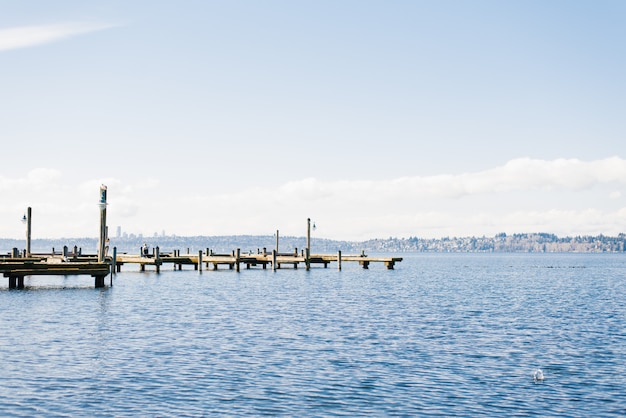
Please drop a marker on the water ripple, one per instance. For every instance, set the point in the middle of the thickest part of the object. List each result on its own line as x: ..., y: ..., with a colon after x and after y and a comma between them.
x: 443, y: 335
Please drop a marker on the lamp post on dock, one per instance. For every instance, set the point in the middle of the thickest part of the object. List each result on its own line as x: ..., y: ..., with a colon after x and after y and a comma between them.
x: 308, y: 242
x: 276, y: 235
x: 103, y: 223
x: 26, y: 221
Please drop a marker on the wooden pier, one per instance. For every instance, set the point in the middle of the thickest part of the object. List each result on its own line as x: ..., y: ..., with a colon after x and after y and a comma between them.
x: 18, y: 268
x: 17, y: 265
x: 236, y: 259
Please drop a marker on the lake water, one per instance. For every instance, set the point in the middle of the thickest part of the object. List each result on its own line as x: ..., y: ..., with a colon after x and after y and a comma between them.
x: 442, y: 335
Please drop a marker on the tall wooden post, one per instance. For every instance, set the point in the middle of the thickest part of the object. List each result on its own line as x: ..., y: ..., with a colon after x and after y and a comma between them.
x: 308, y: 244
x: 274, y: 266
x: 308, y: 233
x: 200, y: 261
x: 277, y: 240
x: 103, y: 223
x: 28, y: 225
x: 114, y: 264
x: 307, y: 259
x: 339, y: 259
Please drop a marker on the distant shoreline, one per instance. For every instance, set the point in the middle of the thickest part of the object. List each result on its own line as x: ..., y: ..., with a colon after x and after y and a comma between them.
x: 500, y: 243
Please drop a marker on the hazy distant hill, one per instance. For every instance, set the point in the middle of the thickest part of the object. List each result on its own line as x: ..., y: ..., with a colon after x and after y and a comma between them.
x: 533, y: 242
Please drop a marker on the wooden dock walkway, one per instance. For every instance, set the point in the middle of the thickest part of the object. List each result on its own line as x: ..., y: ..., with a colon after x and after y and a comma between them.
x: 18, y: 265
x: 15, y: 268
x: 18, y: 268
x: 236, y: 259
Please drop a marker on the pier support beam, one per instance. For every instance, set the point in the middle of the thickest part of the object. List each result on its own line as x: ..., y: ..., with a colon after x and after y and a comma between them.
x: 307, y: 259
x: 99, y: 281
x: 157, y: 259
x: 339, y: 260
x: 274, y: 267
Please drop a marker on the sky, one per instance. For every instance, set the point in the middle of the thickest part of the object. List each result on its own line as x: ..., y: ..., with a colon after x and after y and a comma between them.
x: 374, y: 119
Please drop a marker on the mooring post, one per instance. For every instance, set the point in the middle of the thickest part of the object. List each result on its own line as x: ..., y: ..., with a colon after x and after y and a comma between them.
x: 157, y: 259
x: 339, y: 259
x: 308, y: 233
x: 200, y: 261
x: 114, y: 263
x: 274, y: 267
x: 237, y: 254
x: 65, y: 251
x: 308, y: 259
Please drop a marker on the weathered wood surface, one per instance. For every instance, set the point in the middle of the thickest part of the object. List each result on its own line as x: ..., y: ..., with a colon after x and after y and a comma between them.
x: 16, y: 269
x: 249, y: 260
x: 61, y: 268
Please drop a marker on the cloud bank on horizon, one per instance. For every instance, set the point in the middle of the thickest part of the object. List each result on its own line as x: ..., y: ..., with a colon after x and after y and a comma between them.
x: 562, y: 196
x: 374, y: 119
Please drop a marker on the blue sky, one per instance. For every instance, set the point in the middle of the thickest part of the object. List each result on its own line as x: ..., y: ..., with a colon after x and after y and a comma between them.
x: 374, y: 118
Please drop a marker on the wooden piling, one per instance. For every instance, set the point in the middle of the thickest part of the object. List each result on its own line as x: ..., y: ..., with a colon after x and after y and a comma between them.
x: 307, y: 259
x: 157, y: 259
x: 339, y: 260
x: 29, y: 213
x: 274, y: 267
x: 99, y: 281
x: 200, y: 261
x: 113, y: 264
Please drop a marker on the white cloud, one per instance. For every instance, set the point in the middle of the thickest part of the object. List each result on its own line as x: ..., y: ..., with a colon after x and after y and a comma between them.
x: 28, y: 36
x: 566, y: 197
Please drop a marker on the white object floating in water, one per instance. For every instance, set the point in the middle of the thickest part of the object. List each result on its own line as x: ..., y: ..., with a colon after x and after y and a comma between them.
x: 538, y: 375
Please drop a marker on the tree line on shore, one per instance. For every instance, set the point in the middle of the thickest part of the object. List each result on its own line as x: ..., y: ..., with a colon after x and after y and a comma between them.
x: 523, y: 242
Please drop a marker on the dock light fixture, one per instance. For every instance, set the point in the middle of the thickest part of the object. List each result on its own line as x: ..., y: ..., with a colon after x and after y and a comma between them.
x: 102, y: 247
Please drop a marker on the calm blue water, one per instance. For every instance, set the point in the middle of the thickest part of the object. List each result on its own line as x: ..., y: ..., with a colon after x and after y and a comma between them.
x: 442, y: 335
